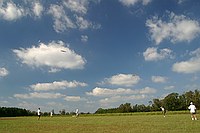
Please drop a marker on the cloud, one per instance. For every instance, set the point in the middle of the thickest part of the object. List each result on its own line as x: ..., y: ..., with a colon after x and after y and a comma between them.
x: 11, y: 11
x: 152, y: 54
x: 120, y: 91
x: 122, y: 80
x: 82, y: 23
x: 77, y: 6
x: 84, y: 38
x: 72, y: 98
x: 147, y: 90
x: 158, y: 79
x: 3, y: 72
x: 189, y: 66
x: 133, y: 2
x: 65, y: 20
x: 121, y: 95
x: 4, y: 103
x: 56, y: 85
x: 69, y: 14
x: 121, y: 99
x: 53, y: 55
x: 176, y: 29
x: 37, y: 9
x: 39, y: 95
x: 180, y: 1
x: 61, y: 21
x: 109, y: 92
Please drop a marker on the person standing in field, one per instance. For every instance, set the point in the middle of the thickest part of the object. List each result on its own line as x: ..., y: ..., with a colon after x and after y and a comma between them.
x: 39, y: 113
x: 163, y: 110
x: 77, y: 112
x: 192, y: 109
x: 51, y: 114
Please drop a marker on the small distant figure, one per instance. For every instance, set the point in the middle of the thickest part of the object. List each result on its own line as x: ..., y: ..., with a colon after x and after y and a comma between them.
x: 51, y: 113
x: 39, y: 113
x: 77, y: 113
x: 192, y: 109
x: 163, y: 110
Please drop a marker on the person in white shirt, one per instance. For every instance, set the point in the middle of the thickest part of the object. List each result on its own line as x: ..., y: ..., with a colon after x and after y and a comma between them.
x: 77, y: 113
x: 39, y: 113
x: 192, y: 109
x: 163, y: 110
x: 51, y: 114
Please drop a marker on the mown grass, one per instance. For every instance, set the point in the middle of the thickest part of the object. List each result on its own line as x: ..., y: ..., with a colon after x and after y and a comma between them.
x: 118, y: 123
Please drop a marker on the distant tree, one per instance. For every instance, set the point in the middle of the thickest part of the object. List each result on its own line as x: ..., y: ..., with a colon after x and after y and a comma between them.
x: 172, y: 102
x: 62, y: 112
x: 156, y: 104
x: 13, y: 112
x: 100, y: 111
x: 124, y: 108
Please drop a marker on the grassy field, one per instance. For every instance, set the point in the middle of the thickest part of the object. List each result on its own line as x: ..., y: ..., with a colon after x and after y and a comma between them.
x: 132, y: 123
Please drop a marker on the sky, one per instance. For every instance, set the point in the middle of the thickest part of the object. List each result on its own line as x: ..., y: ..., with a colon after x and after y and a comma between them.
x: 90, y: 54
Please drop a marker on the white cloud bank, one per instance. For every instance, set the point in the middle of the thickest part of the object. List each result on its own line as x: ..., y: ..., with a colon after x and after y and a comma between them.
x: 53, y: 55
x: 189, y: 66
x: 122, y: 80
x: 120, y: 91
x: 56, y: 85
x: 10, y: 11
x: 122, y: 99
x: 65, y: 20
x: 120, y: 95
x: 152, y: 54
x: 68, y: 14
x: 176, y: 29
x: 133, y: 2
x: 39, y: 95
x: 37, y: 9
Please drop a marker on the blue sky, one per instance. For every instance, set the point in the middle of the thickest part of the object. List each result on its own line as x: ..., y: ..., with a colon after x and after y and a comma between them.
x: 87, y: 54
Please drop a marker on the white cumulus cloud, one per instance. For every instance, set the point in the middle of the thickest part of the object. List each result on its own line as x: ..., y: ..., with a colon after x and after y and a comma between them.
x: 77, y: 6
x: 189, y: 66
x: 65, y: 20
x: 10, y: 11
x: 123, y: 80
x: 84, y: 38
x: 39, y: 95
x: 61, y: 21
x: 152, y: 54
x: 56, y: 85
x: 3, y: 72
x: 178, y: 28
x: 54, y: 55
x: 120, y: 91
x: 38, y: 9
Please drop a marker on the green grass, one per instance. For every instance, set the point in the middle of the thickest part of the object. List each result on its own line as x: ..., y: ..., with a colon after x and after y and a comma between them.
x: 120, y: 123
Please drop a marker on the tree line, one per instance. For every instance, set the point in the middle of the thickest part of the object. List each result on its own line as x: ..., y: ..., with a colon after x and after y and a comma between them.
x: 13, y: 112
x: 172, y: 102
